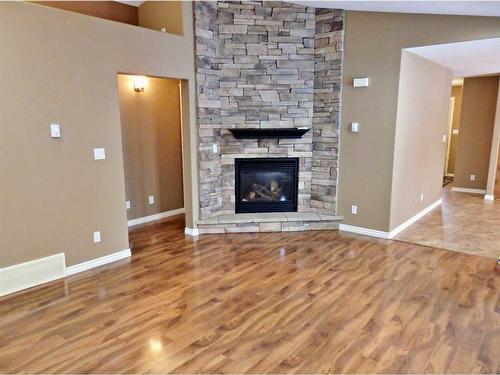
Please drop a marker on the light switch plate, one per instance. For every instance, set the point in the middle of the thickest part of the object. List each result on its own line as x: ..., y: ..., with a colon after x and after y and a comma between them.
x: 97, y: 237
x: 55, y: 130
x: 354, y: 210
x: 151, y: 199
x: 214, y: 148
x: 421, y: 197
x: 354, y: 127
x: 127, y: 205
x: 456, y: 131
x: 444, y: 138
x: 360, y: 82
x: 99, y: 153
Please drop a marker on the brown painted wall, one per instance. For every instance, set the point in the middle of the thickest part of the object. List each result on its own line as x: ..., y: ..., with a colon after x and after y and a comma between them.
x: 419, y: 150
x: 110, y: 10
x: 373, y: 44
x: 53, y: 194
x: 479, y: 101
x: 456, y: 92
x: 151, y: 137
x: 162, y: 14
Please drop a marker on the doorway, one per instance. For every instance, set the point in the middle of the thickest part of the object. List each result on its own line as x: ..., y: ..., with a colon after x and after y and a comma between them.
x: 150, y: 112
x: 448, y: 138
x: 464, y: 221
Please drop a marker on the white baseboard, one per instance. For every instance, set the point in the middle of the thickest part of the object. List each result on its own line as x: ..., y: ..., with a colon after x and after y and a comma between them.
x: 80, y: 267
x: 192, y: 231
x: 26, y: 275
x: 40, y: 271
x: 364, y: 231
x: 413, y: 219
x: 489, y: 197
x: 393, y: 233
x: 467, y: 190
x: 150, y: 218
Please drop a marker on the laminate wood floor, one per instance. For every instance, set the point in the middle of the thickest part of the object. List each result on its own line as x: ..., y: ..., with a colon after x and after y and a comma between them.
x: 308, y: 302
x: 464, y: 222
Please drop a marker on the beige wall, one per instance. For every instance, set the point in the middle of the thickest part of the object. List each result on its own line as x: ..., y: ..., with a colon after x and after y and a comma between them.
x: 479, y: 100
x: 373, y: 44
x: 111, y: 10
x: 61, y: 67
x: 162, y: 14
x: 456, y: 92
x: 419, y: 150
x: 151, y: 137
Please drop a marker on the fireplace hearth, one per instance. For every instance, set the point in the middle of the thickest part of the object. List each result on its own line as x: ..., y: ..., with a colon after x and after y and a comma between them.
x: 266, y: 184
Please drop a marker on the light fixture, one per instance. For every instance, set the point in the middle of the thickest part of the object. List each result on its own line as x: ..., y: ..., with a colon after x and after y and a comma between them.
x: 140, y: 82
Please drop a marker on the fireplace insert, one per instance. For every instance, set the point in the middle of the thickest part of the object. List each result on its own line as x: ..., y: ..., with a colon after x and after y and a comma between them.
x: 266, y: 184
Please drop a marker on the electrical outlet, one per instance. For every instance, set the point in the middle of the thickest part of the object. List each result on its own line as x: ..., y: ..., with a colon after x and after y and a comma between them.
x: 355, y: 127
x: 421, y: 197
x: 473, y: 177
x: 97, y: 237
x: 354, y: 210
x: 445, y: 138
x: 127, y: 205
x: 151, y: 199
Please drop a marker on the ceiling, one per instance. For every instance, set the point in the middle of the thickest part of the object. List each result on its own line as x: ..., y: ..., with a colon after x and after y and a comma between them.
x: 133, y: 3
x: 473, y: 58
x: 466, y: 8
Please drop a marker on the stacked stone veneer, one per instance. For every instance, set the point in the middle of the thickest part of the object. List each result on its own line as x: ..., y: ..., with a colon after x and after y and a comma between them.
x: 328, y: 54
x: 267, y: 64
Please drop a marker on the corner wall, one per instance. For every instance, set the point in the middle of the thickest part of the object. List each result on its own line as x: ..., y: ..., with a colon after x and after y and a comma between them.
x: 419, y: 150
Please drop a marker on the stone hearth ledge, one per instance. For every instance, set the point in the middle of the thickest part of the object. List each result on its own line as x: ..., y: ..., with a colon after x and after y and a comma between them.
x: 268, y: 222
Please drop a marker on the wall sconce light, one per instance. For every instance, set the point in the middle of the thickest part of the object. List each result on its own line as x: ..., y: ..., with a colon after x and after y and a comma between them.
x: 140, y: 82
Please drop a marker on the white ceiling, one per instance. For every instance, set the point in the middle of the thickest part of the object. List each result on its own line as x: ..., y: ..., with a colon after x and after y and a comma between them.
x: 466, y: 8
x: 133, y: 3
x: 477, y: 57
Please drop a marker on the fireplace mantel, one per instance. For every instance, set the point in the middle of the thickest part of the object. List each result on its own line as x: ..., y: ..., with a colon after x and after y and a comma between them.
x: 268, y: 133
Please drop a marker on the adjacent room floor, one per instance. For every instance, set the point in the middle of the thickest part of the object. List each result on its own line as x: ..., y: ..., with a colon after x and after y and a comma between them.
x: 270, y: 302
x: 464, y: 222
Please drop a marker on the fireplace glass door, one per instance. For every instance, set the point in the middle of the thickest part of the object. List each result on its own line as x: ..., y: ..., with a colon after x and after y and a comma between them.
x: 266, y: 185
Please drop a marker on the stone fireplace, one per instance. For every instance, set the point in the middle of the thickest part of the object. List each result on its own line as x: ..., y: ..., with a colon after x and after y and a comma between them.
x: 268, y: 66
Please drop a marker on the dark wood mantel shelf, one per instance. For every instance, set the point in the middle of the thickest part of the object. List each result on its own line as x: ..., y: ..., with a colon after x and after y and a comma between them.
x: 259, y: 133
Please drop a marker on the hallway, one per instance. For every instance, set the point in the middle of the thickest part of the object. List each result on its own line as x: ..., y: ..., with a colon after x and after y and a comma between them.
x: 464, y: 222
